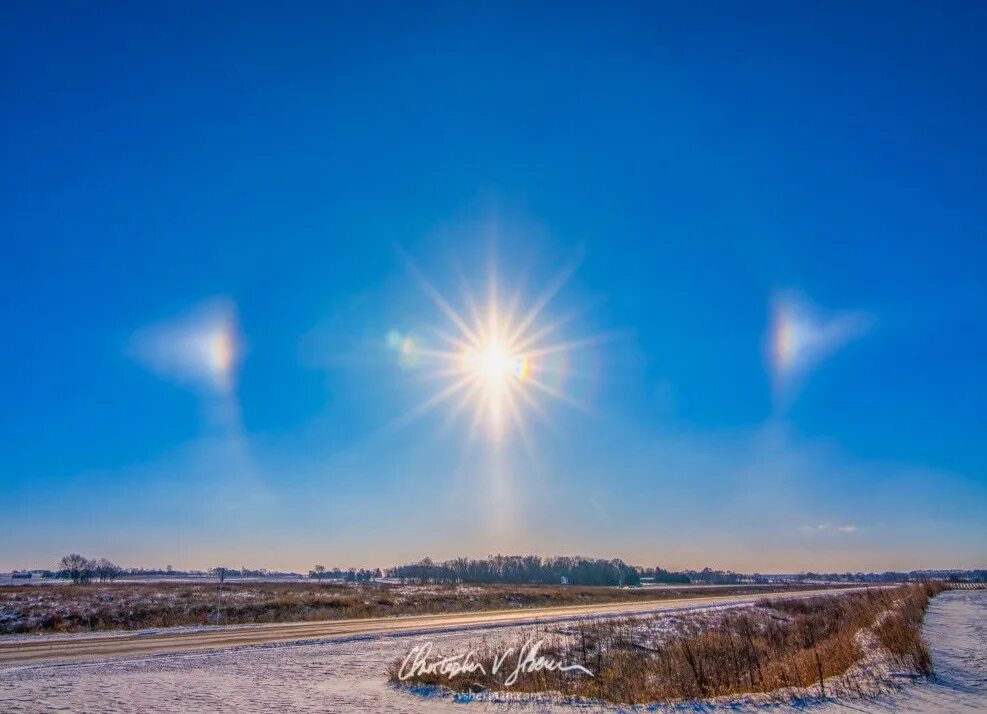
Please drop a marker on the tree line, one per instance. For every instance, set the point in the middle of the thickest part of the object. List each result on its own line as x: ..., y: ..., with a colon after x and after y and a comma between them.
x: 520, y: 569
x: 80, y: 569
x: 353, y: 575
x: 511, y: 569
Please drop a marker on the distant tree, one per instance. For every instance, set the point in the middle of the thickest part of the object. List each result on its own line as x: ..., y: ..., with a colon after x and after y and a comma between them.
x: 629, y: 575
x: 106, y: 570
x: 665, y: 576
x: 320, y: 571
x: 520, y: 569
x: 219, y: 572
x: 77, y: 567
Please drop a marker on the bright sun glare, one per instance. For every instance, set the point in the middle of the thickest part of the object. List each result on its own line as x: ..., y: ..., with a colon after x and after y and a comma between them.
x: 493, y: 358
x: 496, y: 364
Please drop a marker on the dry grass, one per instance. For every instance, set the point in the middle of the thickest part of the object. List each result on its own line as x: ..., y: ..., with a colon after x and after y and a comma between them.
x: 900, y: 631
x: 778, y: 645
x: 73, y: 608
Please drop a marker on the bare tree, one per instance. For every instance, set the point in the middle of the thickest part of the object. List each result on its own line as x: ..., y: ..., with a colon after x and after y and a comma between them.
x: 220, y: 572
x: 78, y: 567
x: 320, y: 571
x: 106, y: 569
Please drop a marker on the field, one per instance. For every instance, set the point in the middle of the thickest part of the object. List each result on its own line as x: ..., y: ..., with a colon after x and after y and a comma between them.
x: 778, y: 645
x: 130, y: 606
x: 350, y: 675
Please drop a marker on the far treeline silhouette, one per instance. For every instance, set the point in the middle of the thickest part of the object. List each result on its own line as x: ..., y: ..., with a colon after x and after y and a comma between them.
x: 521, y: 569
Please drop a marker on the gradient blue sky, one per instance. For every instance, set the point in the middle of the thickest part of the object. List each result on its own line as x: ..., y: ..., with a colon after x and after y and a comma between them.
x: 275, y: 169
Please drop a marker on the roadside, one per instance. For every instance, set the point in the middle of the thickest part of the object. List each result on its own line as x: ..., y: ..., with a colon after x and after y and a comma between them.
x: 349, y: 676
x: 850, y: 643
x: 153, y: 642
x: 135, y: 606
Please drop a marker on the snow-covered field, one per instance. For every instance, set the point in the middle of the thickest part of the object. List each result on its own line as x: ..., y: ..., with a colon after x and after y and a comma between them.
x: 351, y: 676
x: 956, y: 631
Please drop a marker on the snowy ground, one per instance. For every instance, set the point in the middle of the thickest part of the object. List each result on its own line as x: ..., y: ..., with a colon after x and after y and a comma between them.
x: 351, y: 677
x: 956, y: 631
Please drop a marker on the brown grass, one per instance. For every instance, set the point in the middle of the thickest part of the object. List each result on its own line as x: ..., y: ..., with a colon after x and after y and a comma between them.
x: 73, y: 608
x: 778, y: 645
x: 901, y: 632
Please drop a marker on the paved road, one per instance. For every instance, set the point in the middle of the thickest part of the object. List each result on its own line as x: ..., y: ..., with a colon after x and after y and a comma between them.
x: 142, y: 644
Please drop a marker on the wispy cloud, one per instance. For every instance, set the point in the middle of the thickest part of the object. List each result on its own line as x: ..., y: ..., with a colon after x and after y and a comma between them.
x: 829, y: 528
x: 200, y: 349
x: 803, y: 335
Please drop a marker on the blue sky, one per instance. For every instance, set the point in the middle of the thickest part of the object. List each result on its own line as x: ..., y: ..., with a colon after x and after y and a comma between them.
x: 716, y: 176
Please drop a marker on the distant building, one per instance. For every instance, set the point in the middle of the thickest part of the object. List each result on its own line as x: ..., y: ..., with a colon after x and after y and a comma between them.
x: 565, y: 580
x: 21, y: 576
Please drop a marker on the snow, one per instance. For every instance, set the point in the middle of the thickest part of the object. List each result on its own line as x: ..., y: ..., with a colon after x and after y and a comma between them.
x: 956, y: 632
x: 351, y: 676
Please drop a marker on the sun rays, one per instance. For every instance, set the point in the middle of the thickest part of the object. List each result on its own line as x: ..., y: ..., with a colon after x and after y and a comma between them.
x: 493, y: 363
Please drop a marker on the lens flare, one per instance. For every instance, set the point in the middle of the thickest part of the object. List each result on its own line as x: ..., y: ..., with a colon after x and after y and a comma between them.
x: 522, y: 368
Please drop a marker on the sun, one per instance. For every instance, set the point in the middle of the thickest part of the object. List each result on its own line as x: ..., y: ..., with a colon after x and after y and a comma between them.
x: 496, y: 364
x: 495, y: 372
x: 496, y: 361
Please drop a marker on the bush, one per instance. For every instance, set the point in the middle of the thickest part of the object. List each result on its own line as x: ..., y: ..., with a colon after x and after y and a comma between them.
x: 776, y: 645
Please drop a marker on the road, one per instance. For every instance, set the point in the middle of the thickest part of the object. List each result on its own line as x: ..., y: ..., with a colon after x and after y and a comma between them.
x: 158, y: 642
